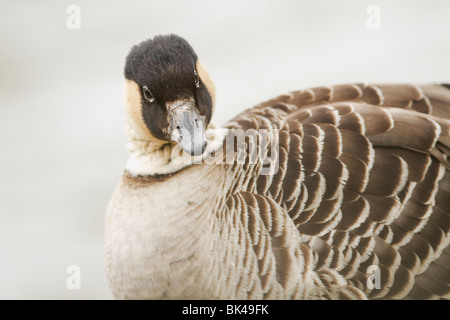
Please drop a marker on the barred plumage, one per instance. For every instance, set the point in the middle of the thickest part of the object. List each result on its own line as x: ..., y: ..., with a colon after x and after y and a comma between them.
x: 376, y: 173
x: 363, y: 180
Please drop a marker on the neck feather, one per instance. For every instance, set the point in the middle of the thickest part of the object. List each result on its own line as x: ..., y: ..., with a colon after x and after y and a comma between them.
x: 151, y: 157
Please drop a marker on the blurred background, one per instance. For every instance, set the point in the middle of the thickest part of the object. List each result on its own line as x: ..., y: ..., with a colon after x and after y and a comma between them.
x: 61, y: 118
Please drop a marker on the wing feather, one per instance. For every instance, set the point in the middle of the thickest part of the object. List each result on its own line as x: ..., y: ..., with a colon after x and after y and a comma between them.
x: 363, y: 181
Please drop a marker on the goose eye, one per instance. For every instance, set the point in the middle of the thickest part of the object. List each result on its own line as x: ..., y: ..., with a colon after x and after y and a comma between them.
x: 197, y: 79
x: 147, y: 94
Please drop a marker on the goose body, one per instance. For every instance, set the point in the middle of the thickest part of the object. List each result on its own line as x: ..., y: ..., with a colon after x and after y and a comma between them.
x: 347, y: 198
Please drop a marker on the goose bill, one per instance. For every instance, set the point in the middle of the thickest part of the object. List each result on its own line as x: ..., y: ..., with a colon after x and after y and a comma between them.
x: 186, y: 126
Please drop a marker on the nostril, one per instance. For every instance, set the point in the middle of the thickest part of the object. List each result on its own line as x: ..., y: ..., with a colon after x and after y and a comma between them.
x: 178, y: 127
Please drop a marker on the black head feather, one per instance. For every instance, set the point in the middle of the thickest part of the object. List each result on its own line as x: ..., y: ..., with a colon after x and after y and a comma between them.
x: 166, y: 65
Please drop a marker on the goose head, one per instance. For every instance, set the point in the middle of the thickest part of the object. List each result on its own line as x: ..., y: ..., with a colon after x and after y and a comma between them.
x: 169, y: 96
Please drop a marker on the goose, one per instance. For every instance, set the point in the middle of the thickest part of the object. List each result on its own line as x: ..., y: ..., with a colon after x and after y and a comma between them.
x: 333, y: 192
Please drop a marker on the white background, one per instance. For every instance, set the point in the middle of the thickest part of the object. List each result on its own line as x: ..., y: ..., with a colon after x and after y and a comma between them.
x: 61, y: 120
